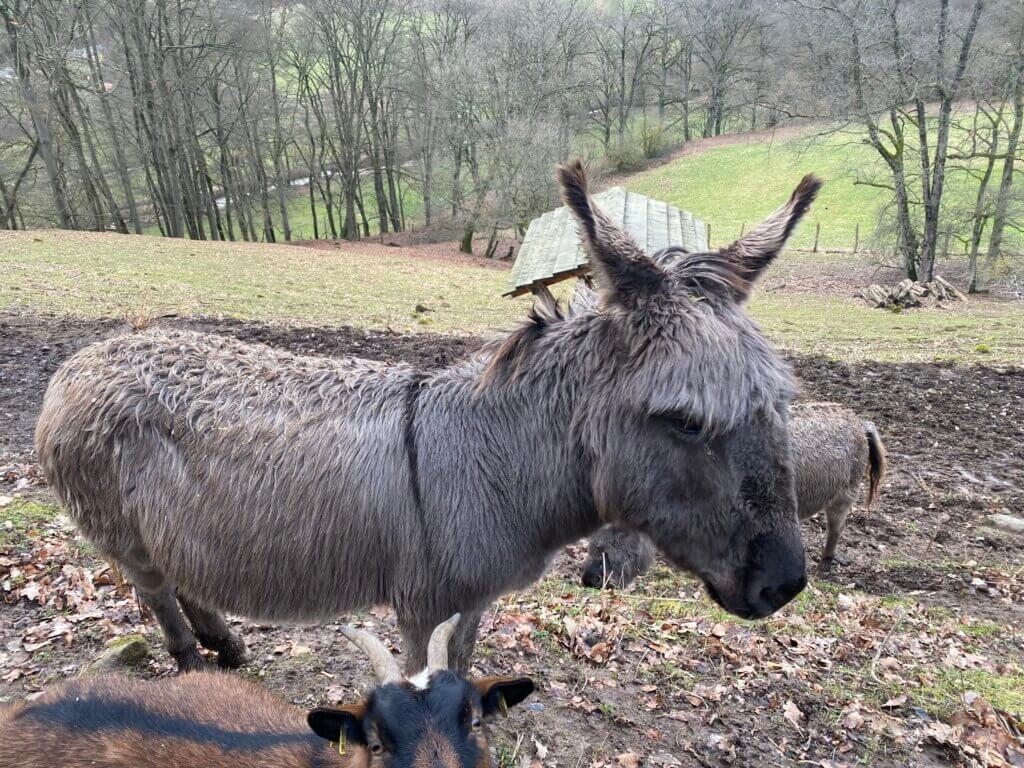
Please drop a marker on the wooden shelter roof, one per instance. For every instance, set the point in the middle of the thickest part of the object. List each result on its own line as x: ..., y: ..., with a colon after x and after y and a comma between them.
x: 552, y: 251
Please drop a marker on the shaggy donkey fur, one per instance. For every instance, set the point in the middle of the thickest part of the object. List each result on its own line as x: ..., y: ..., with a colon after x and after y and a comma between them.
x: 221, y: 720
x: 833, y: 452
x: 232, y: 477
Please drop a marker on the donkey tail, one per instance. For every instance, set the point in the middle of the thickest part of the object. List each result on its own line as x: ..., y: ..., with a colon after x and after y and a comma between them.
x: 877, y: 461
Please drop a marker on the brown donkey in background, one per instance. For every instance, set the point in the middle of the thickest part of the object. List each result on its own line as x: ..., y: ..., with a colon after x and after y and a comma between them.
x: 834, y: 450
x: 202, y: 721
x: 225, y: 476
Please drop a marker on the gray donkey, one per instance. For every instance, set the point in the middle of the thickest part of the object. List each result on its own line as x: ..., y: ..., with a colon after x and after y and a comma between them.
x: 224, y: 476
x: 833, y: 452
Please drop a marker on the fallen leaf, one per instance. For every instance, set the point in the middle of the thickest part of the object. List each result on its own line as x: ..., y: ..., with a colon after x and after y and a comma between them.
x: 899, y: 701
x: 542, y: 751
x: 792, y: 713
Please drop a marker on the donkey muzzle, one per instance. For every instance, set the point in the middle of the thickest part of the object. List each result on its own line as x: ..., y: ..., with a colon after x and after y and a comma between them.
x: 774, y: 575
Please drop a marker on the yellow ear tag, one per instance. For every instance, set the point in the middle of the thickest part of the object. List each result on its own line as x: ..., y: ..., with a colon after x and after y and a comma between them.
x: 502, y: 705
x: 341, y: 743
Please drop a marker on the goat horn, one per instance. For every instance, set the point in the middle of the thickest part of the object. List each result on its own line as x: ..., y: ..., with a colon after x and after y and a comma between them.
x: 437, y: 649
x: 385, y: 666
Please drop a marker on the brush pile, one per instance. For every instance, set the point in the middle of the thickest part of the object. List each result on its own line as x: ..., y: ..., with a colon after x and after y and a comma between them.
x: 909, y: 293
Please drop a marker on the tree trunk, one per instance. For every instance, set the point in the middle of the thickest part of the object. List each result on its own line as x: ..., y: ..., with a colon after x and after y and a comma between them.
x: 21, y: 60
x: 466, y: 243
x: 283, y: 184
x: 995, y: 240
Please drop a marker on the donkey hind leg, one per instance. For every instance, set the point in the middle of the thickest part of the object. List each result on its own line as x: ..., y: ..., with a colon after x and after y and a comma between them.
x: 836, y: 516
x: 214, y: 633
x: 158, y: 594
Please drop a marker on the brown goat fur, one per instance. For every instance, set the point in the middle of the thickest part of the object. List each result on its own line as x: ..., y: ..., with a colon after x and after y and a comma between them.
x: 216, y: 719
x: 191, y: 721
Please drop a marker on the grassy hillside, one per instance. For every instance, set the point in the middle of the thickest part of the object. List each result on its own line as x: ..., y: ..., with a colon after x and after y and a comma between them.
x: 91, y: 275
x: 736, y: 184
x: 95, y: 275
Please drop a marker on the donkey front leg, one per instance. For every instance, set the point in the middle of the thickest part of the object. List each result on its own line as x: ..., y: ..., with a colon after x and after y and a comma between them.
x: 158, y: 595
x: 460, y: 650
x: 416, y: 637
x: 214, y: 633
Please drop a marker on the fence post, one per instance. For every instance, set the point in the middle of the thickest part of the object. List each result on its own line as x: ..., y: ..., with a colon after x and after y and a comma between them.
x: 817, y: 231
x: 856, y: 236
x: 709, y: 236
x: 743, y: 228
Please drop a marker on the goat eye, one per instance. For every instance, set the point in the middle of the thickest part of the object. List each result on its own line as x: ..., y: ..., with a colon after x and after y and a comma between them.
x: 476, y: 724
x: 376, y: 748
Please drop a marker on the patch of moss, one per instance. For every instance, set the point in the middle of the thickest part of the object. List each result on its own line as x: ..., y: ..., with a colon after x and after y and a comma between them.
x: 981, y: 628
x: 22, y: 520
x: 945, y: 694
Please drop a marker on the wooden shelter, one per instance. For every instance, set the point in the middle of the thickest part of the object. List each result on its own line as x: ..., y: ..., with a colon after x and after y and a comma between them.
x: 552, y: 251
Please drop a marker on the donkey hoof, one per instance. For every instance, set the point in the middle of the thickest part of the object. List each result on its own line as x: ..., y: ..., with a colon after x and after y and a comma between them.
x: 189, y: 660
x: 232, y: 653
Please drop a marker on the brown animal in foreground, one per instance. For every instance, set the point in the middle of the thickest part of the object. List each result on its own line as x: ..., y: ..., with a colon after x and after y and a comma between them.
x: 221, y: 721
x: 833, y: 452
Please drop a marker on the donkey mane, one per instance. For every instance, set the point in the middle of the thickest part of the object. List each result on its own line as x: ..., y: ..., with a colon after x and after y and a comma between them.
x: 506, y: 356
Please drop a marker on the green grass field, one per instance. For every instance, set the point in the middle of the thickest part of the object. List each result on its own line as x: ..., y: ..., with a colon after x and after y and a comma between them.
x: 736, y: 185
x: 103, y: 275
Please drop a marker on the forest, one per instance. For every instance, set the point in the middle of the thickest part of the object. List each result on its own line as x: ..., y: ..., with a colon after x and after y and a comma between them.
x: 272, y: 121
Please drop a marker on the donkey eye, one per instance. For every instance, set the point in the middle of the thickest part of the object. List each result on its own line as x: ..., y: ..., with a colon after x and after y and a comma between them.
x: 686, y: 426
x: 476, y: 724
x: 376, y: 748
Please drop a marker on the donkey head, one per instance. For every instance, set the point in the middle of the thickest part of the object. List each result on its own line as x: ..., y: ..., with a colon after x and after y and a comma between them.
x: 434, y: 720
x: 686, y: 416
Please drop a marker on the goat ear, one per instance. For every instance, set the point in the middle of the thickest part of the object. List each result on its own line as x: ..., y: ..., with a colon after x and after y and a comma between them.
x: 341, y: 724
x: 499, y: 693
x: 752, y: 253
x: 624, y: 273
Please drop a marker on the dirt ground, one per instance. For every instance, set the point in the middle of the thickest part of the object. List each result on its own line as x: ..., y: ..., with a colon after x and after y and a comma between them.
x: 872, y: 667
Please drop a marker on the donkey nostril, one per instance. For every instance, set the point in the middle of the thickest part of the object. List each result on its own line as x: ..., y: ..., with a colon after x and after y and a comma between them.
x: 769, y: 596
x: 777, y: 597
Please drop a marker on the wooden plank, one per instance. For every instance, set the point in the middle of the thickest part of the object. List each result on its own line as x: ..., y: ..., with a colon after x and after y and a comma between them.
x: 675, y: 226
x: 635, y: 221
x: 700, y: 232
x: 570, y: 250
x: 536, y: 255
x: 657, y: 226
x: 613, y: 203
x: 548, y: 251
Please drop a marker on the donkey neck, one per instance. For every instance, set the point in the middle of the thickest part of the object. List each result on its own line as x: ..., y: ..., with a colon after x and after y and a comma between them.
x: 504, y: 460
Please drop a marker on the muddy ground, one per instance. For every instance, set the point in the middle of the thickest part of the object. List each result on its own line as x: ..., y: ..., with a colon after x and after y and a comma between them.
x: 653, y: 675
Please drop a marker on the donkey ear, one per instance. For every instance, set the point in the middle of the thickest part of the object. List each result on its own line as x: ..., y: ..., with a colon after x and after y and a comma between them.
x: 624, y: 273
x: 752, y: 253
